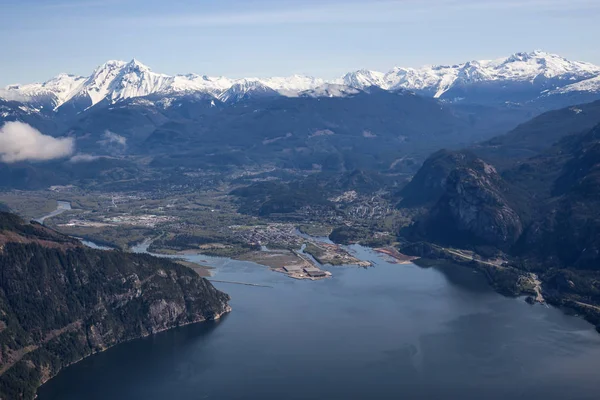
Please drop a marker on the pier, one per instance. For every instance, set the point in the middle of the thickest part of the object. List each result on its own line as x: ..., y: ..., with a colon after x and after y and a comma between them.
x: 240, y: 283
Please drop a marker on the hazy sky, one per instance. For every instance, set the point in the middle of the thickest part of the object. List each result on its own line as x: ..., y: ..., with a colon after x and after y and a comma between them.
x: 325, y: 38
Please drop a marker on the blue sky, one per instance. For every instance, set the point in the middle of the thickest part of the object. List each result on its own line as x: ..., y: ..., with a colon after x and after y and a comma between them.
x: 325, y: 38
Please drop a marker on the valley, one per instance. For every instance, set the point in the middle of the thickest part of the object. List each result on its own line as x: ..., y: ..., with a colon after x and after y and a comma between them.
x: 181, y: 222
x: 407, y: 194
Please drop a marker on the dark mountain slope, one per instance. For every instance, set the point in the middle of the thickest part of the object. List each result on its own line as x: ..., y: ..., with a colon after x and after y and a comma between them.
x: 567, y: 232
x: 526, y: 156
x: 379, y: 130
x: 429, y: 183
x: 538, y: 134
x: 367, y: 130
x: 545, y: 209
x: 475, y: 208
x: 45, y: 122
x: 60, y: 302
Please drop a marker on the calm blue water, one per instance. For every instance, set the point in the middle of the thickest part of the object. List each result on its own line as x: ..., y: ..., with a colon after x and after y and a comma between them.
x: 387, y: 332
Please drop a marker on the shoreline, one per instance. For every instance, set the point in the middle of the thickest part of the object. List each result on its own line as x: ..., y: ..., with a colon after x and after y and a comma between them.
x: 217, y: 317
x: 398, y: 257
x: 532, y: 289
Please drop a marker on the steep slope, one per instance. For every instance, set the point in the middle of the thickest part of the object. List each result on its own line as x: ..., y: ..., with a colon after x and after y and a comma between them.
x: 538, y: 134
x: 61, y: 302
x: 429, y: 183
x: 567, y: 232
x: 115, y: 81
x: 475, y: 208
x: 543, y: 208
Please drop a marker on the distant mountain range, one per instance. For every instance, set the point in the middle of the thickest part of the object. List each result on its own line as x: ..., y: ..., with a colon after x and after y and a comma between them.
x: 521, y: 78
x: 386, y: 122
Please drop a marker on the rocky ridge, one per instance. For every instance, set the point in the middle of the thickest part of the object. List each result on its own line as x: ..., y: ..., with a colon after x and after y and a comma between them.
x: 61, y: 302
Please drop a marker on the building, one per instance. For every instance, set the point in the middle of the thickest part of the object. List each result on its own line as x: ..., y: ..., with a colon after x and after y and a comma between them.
x: 292, y: 268
x: 315, y: 272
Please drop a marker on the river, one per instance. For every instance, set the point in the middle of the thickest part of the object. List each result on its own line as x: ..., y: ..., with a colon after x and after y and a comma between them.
x: 61, y: 207
x: 387, y: 332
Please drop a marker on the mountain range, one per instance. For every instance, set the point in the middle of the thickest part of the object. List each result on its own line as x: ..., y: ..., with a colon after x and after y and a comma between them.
x: 387, y: 122
x: 520, y: 78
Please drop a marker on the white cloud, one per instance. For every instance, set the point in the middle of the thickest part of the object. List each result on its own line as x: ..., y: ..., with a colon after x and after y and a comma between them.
x: 112, y: 138
x: 77, y: 158
x: 20, y: 142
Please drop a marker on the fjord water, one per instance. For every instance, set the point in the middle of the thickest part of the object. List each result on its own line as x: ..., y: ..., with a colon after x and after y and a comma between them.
x: 387, y: 332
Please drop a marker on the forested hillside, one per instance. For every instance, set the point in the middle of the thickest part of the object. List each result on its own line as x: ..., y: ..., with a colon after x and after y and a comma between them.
x: 61, y: 301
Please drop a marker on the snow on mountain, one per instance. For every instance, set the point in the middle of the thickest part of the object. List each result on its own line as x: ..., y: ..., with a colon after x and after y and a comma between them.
x: 364, y: 78
x: 535, y: 73
x: 291, y: 85
x: 197, y: 83
x: 331, y: 90
x: 434, y: 79
x: 520, y: 67
x: 51, y: 93
x: 591, y: 85
x: 116, y: 80
x: 245, y: 89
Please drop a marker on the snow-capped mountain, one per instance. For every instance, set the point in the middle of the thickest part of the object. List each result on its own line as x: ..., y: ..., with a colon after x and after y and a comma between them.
x: 519, y: 78
x: 246, y: 89
x: 535, y: 69
x: 49, y: 94
x: 364, y: 78
x: 331, y: 90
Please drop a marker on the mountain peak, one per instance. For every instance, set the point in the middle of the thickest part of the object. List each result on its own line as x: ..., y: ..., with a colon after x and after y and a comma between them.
x: 110, y: 64
x: 135, y: 65
x: 364, y: 78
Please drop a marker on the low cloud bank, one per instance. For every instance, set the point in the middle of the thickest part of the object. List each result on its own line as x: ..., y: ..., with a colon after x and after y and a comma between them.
x: 22, y: 142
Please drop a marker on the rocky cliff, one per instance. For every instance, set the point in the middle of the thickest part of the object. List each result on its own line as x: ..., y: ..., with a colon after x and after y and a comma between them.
x: 429, y: 183
x: 473, y: 209
x: 60, y: 302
